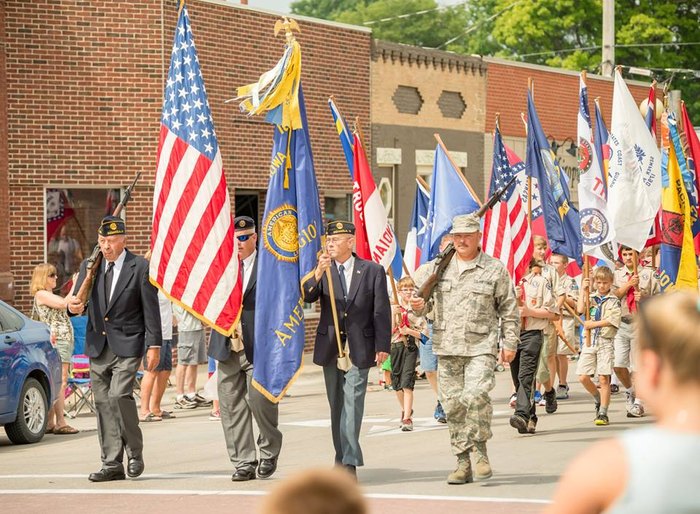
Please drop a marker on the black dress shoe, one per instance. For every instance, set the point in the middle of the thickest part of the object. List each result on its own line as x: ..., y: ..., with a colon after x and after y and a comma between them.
x: 107, y: 475
x: 135, y: 467
x: 267, y: 467
x: 243, y: 475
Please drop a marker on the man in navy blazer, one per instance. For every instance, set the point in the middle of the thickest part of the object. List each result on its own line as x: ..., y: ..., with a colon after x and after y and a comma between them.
x: 123, y: 323
x: 239, y: 402
x: 364, y: 317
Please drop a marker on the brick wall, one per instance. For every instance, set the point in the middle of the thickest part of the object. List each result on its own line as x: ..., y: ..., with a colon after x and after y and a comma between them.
x: 6, y: 281
x: 84, y: 93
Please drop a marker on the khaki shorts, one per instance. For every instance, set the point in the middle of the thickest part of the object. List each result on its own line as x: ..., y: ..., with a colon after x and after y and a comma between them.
x: 623, y: 346
x: 549, y: 346
x: 596, y: 359
x: 569, y: 325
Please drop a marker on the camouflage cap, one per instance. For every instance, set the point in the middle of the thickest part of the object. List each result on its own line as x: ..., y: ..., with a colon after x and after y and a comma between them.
x: 465, y: 224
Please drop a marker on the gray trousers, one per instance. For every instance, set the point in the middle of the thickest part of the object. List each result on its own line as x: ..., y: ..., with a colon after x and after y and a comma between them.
x: 113, y: 381
x: 239, y: 403
x: 346, y: 397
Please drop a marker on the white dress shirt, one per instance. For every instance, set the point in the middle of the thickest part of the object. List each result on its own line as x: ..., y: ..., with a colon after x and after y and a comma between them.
x: 248, y: 268
x: 348, y: 266
x: 116, y: 270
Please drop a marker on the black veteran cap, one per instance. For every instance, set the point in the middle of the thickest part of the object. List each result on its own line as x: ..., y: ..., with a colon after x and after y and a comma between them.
x: 340, y: 227
x: 243, y: 223
x: 112, y: 226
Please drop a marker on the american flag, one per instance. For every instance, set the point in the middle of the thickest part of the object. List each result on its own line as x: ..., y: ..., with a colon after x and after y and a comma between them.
x: 194, y: 259
x: 507, y: 234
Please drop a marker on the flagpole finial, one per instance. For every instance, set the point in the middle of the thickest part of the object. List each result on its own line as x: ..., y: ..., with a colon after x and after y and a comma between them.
x: 289, y: 26
x: 498, y: 120
x: 182, y: 6
x: 584, y: 75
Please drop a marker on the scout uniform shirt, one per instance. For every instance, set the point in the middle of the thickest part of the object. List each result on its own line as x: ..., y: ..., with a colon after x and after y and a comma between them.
x: 538, y: 294
x: 569, y: 288
x: 648, y: 285
x: 605, y: 308
x: 466, y: 307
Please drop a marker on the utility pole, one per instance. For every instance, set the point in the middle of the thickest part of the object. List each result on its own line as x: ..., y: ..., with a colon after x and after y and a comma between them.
x: 608, y: 62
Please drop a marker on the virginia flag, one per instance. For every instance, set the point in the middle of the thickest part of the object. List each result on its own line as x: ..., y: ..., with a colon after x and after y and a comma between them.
x: 290, y: 235
x: 678, y: 268
x: 382, y: 243
x: 417, y: 229
x: 634, y: 182
x: 449, y: 197
x: 597, y: 234
x: 560, y: 217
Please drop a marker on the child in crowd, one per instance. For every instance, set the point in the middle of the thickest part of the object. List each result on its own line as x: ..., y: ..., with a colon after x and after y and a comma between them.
x: 599, y: 356
x: 407, y: 329
x: 656, y: 468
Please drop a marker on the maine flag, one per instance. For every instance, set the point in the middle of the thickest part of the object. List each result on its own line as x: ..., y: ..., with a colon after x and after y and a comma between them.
x: 561, y: 219
x: 449, y: 197
x: 290, y: 241
x: 678, y: 268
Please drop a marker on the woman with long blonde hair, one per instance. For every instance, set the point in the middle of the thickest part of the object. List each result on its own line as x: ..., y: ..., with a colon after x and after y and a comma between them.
x: 51, y: 309
x: 656, y: 468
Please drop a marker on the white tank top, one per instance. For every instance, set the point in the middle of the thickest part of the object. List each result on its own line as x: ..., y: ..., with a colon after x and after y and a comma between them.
x: 664, y: 472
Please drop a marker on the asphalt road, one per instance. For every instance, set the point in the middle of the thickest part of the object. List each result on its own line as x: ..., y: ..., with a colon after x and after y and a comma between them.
x: 187, y: 466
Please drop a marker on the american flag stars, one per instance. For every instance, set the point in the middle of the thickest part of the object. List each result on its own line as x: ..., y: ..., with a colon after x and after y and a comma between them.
x: 186, y: 110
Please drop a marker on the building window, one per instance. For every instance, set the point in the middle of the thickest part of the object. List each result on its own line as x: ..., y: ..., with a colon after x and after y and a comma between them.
x: 407, y: 100
x: 338, y: 207
x: 72, y: 219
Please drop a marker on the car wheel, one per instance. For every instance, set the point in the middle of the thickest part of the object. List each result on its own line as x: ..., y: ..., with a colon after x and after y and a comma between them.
x: 32, y: 412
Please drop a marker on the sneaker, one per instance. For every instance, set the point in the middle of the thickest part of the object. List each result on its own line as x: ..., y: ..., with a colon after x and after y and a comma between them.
x: 538, y: 397
x: 215, y: 415
x: 636, y: 411
x: 201, y: 401
x: 629, y: 399
x: 519, y: 423
x: 602, y: 420
x: 614, y: 388
x: 597, y: 408
x: 185, y: 403
x: 500, y: 367
x: 439, y: 414
x: 563, y: 392
x: 531, y: 425
x: 407, y: 425
x: 550, y: 398
x: 513, y: 400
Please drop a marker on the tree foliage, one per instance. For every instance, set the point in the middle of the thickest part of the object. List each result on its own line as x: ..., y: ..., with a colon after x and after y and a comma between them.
x: 559, y: 33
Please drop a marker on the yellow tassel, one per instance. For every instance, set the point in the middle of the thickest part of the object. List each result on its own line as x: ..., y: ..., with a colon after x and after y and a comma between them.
x: 288, y: 163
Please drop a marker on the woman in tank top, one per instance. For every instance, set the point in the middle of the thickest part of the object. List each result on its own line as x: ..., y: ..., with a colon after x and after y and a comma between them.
x: 657, y: 468
x: 50, y: 308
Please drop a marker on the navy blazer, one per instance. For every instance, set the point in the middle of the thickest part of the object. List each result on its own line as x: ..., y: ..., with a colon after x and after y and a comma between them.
x: 131, y: 320
x: 220, y: 345
x: 366, y: 314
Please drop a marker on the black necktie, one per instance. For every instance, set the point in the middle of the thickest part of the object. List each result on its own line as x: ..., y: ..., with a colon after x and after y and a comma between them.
x: 343, y: 285
x: 108, y: 281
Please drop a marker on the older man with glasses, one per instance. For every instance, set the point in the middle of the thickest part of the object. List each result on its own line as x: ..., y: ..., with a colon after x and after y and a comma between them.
x: 239, y: 403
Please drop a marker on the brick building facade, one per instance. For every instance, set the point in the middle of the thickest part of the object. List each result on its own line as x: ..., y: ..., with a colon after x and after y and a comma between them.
x: 82, y: 84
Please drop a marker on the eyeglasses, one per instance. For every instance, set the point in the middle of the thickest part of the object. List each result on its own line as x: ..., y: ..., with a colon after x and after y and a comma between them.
x: 52, y: 275
x: 244, y: 237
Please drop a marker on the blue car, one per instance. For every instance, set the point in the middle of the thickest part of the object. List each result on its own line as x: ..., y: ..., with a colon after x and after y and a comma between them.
x: 30, y: 376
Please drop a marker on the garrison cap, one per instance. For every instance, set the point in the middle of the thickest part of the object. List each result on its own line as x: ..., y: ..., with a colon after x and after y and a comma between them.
x: 465, y: 224
x: 340, y: 227
x: 112, y: 226
x: 243, y: 223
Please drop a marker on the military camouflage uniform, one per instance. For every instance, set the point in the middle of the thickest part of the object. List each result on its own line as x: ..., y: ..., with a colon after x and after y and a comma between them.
x: 466, y: 306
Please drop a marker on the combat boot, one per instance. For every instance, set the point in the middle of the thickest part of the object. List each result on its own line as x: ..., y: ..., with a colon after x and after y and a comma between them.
x: 483, y: 466
x: 463, y: 473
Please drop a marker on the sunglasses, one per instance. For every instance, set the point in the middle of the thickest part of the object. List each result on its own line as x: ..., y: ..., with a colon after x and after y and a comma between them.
x: 52, y: 275
x: 244, y: 237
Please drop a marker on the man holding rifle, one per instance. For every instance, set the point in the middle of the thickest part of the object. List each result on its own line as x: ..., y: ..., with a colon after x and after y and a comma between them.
x: 123, y: 320
x: 472, y: 291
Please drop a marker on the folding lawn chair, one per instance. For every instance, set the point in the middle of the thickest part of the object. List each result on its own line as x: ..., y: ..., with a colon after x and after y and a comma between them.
x: 79, y: 383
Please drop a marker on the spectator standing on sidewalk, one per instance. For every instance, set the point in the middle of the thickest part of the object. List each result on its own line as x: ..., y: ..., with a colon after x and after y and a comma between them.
x: 191, y: 352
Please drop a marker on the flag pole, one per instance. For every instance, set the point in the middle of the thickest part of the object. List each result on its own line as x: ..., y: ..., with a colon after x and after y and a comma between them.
x: 531, y: 89
x: 334, y: 308
x: 422, y: 182
x: 586, y: 258
x: 456, y: 169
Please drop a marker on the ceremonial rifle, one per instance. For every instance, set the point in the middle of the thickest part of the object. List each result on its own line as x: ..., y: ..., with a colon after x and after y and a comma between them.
x: 443, y: 259
x: 95, y: 259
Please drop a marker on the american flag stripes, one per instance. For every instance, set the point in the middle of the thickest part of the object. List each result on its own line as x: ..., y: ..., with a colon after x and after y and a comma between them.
x: 507, y: 234
x: 194, y: 259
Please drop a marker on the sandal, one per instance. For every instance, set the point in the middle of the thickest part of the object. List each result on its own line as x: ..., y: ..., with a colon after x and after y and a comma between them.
x: 166, y: 415
x: 65, y: 430
x: 150, y: 417
x: 49, y: 430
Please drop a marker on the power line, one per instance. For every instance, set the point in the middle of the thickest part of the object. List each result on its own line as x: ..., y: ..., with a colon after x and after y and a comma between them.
x: 408, y: 15
x: 473, y: 27
x: 598, y: 47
